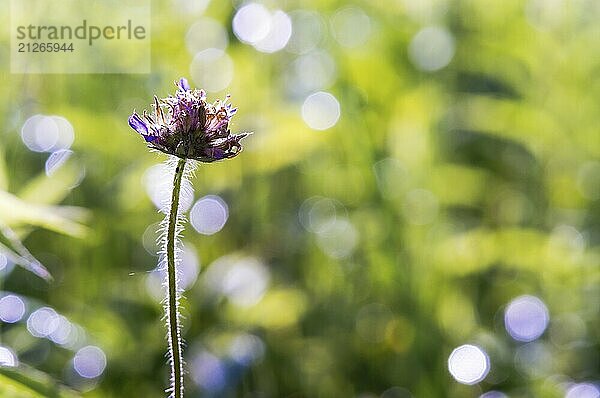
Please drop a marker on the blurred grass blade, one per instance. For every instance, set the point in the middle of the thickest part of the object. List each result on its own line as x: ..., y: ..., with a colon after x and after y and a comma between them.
x: 25, y: 382
x: 14, y: 250
x: 15, y: 212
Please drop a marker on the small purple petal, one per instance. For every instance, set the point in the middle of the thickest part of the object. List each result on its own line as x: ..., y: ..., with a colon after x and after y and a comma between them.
x: 215, y: 153
x: 136, y: 123
x: 150, y: 138
x: 183, y: 84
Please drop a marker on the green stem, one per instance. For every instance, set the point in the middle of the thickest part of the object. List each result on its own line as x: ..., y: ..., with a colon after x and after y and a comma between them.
x: 174, y: 334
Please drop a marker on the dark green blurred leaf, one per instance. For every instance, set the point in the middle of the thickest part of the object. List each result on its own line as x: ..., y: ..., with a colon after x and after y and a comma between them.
x: 26, y: 382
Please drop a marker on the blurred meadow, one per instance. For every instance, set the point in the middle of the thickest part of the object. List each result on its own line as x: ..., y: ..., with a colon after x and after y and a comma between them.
x: 417, y: 213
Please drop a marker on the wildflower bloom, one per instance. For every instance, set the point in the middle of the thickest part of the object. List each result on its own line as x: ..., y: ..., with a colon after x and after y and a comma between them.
x: 187, y: 126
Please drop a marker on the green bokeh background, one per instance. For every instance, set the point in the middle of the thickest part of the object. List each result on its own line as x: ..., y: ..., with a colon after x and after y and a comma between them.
x: 463, y: 187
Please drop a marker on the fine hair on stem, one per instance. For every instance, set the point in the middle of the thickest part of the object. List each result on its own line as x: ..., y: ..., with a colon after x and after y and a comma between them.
x: 171, y: 228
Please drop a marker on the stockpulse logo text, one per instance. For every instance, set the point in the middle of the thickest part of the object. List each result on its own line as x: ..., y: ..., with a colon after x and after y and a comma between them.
x: 82, y: 32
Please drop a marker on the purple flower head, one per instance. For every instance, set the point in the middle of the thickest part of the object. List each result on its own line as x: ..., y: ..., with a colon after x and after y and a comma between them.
x: 187, y: 126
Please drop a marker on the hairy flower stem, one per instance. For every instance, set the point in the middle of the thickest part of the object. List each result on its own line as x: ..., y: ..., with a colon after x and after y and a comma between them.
x: 174, y: 335
x: 189, y: 130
